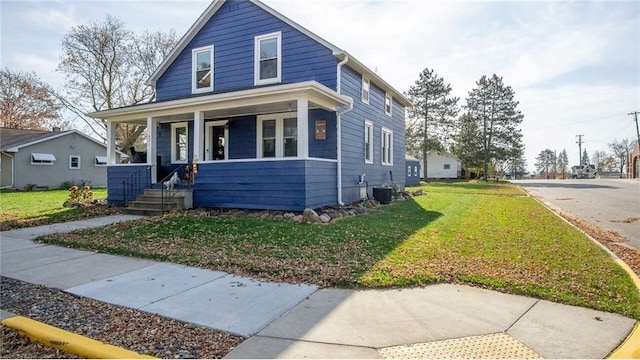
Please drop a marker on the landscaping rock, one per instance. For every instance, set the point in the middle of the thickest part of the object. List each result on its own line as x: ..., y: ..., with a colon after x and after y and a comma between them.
x: 325, y: 218
x: 310, y: 216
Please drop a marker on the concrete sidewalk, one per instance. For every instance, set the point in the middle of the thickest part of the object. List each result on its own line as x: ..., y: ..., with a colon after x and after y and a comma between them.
x: 295, y: 321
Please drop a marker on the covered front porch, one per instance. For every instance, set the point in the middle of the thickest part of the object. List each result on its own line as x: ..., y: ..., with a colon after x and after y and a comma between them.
x: 264, y: 148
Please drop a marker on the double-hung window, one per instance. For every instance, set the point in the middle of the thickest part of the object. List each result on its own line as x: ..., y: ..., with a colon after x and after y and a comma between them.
x: 368, y: 142
x: 179, y: 142
x: 202, y: 69
x: 388, y: 104
x: 74, y: 162
x: 268, y: 59
x: 387, y: 147
x: 277, y: 135
x: 366, y: 85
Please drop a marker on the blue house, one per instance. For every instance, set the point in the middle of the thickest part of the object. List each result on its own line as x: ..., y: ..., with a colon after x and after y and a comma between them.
x: 274, y: 116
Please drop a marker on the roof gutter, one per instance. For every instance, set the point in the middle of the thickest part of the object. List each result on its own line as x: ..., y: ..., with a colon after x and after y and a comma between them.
x: 339, y: 128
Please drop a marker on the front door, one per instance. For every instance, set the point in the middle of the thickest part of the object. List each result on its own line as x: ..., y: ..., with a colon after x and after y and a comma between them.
x: 216, y: 135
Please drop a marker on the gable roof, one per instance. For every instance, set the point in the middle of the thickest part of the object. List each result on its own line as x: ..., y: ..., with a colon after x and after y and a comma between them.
x: 337, y: 52
x: 12, y: 140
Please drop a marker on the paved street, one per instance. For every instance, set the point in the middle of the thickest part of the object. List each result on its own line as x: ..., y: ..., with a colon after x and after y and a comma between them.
x: 606, y: 203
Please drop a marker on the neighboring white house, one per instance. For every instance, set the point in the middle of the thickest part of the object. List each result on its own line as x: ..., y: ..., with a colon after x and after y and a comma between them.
x: 442, y: 165
x: 51, y: 159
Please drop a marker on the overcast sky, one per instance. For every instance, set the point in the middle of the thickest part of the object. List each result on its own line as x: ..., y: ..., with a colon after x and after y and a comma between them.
x: 574, y: 66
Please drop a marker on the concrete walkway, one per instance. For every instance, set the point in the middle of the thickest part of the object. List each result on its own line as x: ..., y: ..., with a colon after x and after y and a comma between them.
x: 294, y: 321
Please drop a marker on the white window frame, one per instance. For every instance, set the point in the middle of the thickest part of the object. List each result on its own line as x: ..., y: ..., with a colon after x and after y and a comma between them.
x: 366, y: 83
x: 387, y: 147
x: 279, y: 118
x: 409, y: 170
x: 49, y: 161
x: 71, y: 157
x: 174, y: 154
x: 388, y: 110
x: 209, y: 146
x: 194, y: 69
x: 447, y: 167
x: 415, y: 171
x: 98, y: 162
x: 368, y: 131
x: 256, y: 59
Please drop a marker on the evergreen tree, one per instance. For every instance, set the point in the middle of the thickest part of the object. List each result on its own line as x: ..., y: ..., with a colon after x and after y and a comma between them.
x: 545, y: 162
x: 467, y: 144
x: 563, y: 163
x: 585, y: 158
x: 491, y: 104
x: 430, y: 114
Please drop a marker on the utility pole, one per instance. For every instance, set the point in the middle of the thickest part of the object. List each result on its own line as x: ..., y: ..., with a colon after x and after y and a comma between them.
x: 635, y: 115
x: 579, y: 142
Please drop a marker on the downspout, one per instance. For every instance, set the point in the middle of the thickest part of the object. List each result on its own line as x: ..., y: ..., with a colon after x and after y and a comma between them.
x: 13, y: 172
x: 339, y: 128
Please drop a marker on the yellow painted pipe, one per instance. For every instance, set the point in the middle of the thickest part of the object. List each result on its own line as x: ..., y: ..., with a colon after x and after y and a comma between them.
x: 69, y: 342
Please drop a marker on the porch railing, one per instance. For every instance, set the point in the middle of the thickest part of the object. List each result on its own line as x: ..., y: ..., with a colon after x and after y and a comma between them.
x: 135, y: 183
x: 169, y: 189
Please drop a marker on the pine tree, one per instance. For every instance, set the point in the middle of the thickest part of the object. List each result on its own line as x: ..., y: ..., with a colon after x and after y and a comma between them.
x: 467, y: 144
x: 492, y: 105
x: 430, y: 114
x: 585, y: 158
x: 563, y: 163
x: 545, y: 162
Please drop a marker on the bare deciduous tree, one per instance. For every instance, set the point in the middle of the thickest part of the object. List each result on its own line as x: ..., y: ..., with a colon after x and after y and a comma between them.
x: 107, y: 66
x: 621, y: 149
x: 26, y: 104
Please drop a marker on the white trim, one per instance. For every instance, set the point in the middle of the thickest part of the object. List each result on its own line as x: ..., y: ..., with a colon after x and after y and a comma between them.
x: 208, y: 145
x: 312, y: 90
x: 279, y: 119
x: 100, y: 160
x: 256, y: 58
x: 44, y: 159
x: 79, y: 162
x: 366, y: 81
x: 174, y: 155
x: 194, y: 68
x: 269, y: 159
x: 389, y: 145
x: 368, y: 125
x: 389, y: 97
x: 204, y: 18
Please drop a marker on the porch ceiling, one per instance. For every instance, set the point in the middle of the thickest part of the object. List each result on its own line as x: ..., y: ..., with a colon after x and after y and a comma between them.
x: 279, y: 98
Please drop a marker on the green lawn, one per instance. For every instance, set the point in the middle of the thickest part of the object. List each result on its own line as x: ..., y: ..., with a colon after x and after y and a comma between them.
x: 20, y: 208
x: 489, y: 235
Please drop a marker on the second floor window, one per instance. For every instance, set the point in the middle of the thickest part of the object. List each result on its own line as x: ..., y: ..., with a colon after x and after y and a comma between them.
x: 202, y: 69
x: 268, y: 58
x: 388, y: 104
x: 366, y: 84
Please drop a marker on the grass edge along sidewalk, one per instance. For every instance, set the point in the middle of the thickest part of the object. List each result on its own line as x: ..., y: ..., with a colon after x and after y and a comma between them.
x: 487, y: 235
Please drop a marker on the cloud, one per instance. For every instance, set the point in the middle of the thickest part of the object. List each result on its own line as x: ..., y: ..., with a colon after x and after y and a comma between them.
x: 57, y: 19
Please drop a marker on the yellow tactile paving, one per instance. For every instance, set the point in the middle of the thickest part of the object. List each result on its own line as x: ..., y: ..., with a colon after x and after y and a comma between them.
x: 493, y: 346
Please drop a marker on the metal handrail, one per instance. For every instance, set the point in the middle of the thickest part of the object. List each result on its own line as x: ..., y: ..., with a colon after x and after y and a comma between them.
x: 133, y: 183
x: 172, y: 191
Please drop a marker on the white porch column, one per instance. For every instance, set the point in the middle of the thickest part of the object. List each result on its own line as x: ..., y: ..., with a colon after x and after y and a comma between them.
x: 152, y: 136
x: 198, y: 135
x: 111, y: 143
x: 303, y: 128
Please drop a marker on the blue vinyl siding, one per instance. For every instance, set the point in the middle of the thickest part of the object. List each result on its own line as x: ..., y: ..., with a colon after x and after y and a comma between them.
x: 117, y: 174
x: 232, y: 30
x: 242, y: 137
x: 353, y: 139
x: 325, y: 149
x: 279, y: 185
